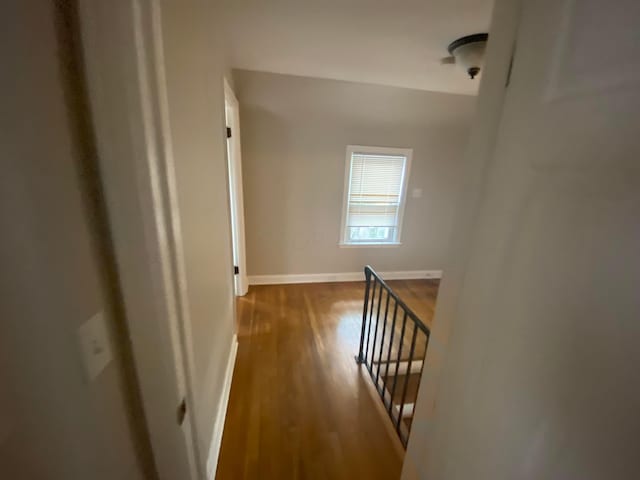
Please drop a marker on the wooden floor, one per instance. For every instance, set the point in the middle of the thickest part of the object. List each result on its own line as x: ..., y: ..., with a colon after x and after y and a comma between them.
x: 300, y: 407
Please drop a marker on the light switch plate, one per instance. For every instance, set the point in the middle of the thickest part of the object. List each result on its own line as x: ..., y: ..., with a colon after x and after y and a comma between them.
x: 416, y: 193
x: 94, y: 344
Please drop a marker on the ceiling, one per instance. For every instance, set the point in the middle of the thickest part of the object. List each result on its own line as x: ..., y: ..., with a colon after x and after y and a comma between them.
x: 388, y: 42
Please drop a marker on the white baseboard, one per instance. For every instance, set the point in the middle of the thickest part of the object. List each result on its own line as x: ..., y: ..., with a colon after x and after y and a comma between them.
x: 339, y: 277
x: 218, y: 428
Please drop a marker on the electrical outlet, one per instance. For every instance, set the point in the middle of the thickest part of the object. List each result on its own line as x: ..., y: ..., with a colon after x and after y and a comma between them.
x: 94, y: 345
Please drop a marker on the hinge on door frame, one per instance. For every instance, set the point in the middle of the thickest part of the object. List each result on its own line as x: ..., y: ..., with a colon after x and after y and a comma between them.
x: 181, y: 412
x: 236, y: 270
x: 228, y: 132
x: 513, y: 53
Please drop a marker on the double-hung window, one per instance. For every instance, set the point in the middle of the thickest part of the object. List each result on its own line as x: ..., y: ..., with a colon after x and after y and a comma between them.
x: 375, y: 193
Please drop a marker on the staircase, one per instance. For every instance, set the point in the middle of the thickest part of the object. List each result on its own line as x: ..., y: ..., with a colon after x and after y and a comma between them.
x: 393, y: 345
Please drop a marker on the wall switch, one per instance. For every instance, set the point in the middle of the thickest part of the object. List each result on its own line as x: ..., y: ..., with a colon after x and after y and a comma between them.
x: 94, y: 344
x: 416, y: 193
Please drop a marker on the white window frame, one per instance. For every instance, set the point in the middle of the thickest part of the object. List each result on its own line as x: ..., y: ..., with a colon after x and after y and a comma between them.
x: 351, y: 149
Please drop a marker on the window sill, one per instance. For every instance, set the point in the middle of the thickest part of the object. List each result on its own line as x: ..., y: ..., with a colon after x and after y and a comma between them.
x: 370, y: 245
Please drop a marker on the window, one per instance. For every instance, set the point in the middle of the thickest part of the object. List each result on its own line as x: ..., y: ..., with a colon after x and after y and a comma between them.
x: 374, y: 197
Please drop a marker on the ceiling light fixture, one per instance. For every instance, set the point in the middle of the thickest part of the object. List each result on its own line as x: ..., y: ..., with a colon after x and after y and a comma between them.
x: 468, y: 52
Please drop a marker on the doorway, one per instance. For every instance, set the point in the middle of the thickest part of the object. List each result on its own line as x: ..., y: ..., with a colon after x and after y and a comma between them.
x: 232, y: 119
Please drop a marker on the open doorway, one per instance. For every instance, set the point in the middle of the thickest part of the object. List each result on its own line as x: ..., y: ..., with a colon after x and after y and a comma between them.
x: 232, y: 118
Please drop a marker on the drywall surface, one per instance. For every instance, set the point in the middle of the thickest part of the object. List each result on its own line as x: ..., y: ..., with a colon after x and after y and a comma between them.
x: 540, y: 378
x: 295, y: 131
x: 476, y: 162
x: 195, y: 67
x: 54, y: 424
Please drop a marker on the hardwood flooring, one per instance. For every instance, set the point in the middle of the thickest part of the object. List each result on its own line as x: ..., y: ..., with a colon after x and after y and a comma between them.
x: 300, y: 407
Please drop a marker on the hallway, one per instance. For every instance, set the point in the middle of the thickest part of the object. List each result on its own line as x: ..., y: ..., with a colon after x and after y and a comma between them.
x: 300, y: 407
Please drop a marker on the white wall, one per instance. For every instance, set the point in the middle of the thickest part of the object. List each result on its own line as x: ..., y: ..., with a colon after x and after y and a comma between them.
x: 540, y: 325
x: 195, y: 66
x: 295, y: 131
x: 475, y: 164
x: 53, y: 423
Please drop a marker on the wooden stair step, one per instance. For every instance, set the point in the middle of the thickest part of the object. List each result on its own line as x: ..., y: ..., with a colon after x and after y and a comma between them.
x: 403, y: 366
x: 412, y: 387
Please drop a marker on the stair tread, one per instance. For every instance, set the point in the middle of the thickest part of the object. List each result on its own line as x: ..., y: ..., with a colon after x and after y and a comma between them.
x: 412, y: 387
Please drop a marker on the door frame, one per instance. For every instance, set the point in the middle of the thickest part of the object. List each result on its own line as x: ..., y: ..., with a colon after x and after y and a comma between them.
x: 236, y: 195
x: 124, y: 61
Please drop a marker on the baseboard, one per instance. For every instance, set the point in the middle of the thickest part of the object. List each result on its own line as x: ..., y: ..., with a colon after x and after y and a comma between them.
x: 218, y: 428
x: 339, y: 277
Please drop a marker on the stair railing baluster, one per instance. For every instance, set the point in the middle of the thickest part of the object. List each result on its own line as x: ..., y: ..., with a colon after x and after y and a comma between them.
x: 375, y: 284
x: 395, y: 377
x: 413, y: 410
x: 375, y: 332
x: 384, y: 329
x: 391, y: 335
x: 406, y: 379
x: 367, y: 276
x: 373, y: 298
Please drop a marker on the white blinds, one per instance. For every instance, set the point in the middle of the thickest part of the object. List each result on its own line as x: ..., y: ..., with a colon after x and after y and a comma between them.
x: 375, y: 189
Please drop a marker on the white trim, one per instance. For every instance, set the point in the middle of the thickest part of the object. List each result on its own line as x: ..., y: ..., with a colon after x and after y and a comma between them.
x: 127, y: 92
x: 339, y: 277
x: 351, y: 149
x: 218, y: 428
x: 167, y: 175
x: 236, y: 196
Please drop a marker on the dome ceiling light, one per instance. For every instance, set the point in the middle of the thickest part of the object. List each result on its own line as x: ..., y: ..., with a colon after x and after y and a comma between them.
x: 468, y: 52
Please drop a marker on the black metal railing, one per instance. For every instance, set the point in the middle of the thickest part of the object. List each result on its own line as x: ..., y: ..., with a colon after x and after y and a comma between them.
x: 396, y: 365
